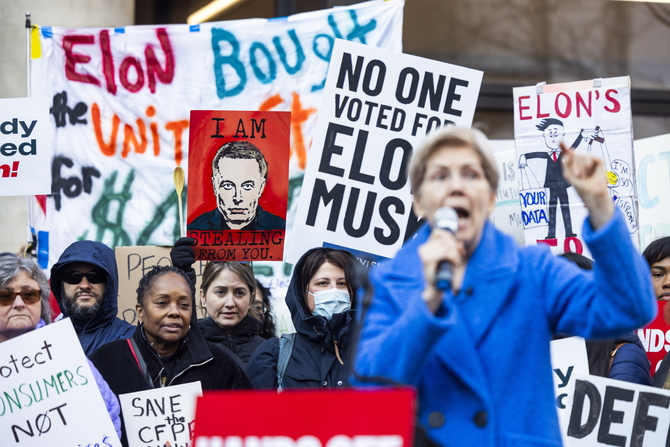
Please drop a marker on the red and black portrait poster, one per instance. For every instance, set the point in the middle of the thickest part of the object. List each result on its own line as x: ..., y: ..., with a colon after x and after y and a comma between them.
x: 238, y: 184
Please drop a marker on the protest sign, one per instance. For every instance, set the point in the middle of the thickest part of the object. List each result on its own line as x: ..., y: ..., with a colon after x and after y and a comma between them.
x: 655, y: 338
x: 506, y: 216
x: 162, y: 416
x: 121, y: 100
x: 568, y: 358
x: 595, y: 118
x: 48, y: 393
x: 238, y: 178
x: 606, y: 412
x: 377, y: 107
x: 135, y: 262
x: 653, y: 187
x: 25, y: 146
x: 383, y: 418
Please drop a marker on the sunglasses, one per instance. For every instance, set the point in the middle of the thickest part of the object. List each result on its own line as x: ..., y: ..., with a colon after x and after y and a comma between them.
x: 29, y: 296
x: 75, y: 277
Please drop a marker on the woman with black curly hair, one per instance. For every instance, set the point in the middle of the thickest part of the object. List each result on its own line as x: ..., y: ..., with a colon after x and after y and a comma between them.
x: 165, y: 350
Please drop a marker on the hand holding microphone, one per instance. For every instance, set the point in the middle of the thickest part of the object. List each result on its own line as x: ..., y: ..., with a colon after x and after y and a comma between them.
x: 446, y: 218
x: 439, y: 255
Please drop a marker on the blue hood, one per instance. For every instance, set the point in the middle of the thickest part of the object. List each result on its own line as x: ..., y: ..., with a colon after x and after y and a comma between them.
x: 104, y: 327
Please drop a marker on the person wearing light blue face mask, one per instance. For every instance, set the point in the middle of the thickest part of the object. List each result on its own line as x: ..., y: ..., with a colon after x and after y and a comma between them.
x: 320, y: 298
x: 330, y: 302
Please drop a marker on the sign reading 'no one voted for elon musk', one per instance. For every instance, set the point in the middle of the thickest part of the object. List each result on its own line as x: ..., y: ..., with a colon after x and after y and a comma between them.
x: 344, y: 418
x: 377, y: 107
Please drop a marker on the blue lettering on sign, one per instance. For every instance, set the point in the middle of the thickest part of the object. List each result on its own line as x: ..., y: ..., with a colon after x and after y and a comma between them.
x: 220, y: 36
x: 265, y: 78
x: 264, y: 62
x: 533, y: 198
x: 644, y: 199
x: 299, y: 53
x: 534, y: 217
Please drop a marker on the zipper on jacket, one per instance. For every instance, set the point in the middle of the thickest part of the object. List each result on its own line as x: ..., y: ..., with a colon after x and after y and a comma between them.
x: 189, y: 367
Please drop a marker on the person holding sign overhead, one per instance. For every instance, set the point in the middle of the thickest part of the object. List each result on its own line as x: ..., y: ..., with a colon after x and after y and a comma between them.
x: 164, y: 350
x: 478, y: 349
x: 24, y: 307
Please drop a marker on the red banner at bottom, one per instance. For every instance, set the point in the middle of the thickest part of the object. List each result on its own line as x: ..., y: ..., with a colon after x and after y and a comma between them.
x: 306, y: 418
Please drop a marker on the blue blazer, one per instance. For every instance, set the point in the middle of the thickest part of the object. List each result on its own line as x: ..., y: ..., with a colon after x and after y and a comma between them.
x: 481, y: 365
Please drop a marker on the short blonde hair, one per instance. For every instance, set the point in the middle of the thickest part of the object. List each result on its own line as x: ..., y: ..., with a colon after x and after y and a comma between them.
x: 453, y: 137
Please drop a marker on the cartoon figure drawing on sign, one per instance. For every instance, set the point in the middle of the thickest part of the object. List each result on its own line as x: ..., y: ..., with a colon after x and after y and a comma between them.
x: 239, y: 175
x: 553, y: 132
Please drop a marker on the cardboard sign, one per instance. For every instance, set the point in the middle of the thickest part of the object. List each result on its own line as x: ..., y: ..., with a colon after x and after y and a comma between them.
x: 25, y: 147
x: 653, y: 187
x: 161, y: 416
x: 48, y: 393
x: 238, y: 184
x: 655, y: 338
x: 607, y: 412
x: 133, y: 263
x: 595, y: 118
x: 568, y: 358
x: 507, y: 214
x: 377, y: 107
x: 382, y: 418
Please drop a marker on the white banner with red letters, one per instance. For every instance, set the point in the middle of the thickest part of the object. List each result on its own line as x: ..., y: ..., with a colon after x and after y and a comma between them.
x: 120, y: 102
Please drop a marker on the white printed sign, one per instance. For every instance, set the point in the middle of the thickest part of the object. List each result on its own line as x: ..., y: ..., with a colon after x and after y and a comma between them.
x: 595, y: 118
x: 48, y: 393
x: 25, y: 146
x: 162, y: 416
x: 653, y: 187
x: 568, y: 358
x: 507, y: 214
x: 377, y: 107
x: 607, y: 412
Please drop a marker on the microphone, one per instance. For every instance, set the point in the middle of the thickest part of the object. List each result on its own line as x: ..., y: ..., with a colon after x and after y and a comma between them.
x: 446, y: 218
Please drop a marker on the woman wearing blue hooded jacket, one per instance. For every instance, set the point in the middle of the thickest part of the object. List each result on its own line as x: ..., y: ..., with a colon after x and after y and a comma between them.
x: 320, y: 297
x: 24, y: 307
x: 477, y: 347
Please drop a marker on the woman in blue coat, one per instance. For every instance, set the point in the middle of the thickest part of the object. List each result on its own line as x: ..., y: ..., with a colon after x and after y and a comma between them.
x: 478, y: 351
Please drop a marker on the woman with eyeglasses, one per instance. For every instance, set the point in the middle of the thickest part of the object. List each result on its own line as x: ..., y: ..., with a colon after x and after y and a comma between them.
x: 167, y: 347
x: 264, y: 310
x: 321, y: 300
x: 24, y: 307
x: 227, y: 293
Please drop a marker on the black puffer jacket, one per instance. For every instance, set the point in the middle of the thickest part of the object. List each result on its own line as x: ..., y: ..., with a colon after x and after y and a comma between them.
x: 313, y: 363
x: 242, y: 341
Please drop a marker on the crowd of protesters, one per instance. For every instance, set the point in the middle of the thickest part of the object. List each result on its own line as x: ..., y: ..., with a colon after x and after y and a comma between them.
x: 463, y: 339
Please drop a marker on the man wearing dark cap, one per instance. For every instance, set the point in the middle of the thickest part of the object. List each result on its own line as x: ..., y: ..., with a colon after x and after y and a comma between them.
x: 85, y: 284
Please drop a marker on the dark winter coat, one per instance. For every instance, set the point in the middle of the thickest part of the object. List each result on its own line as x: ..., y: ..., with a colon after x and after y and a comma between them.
x: 195, y: 360
x: 630, y: 363
x: 313, y: 363
x: 241, y: 342
x: 105, y: 326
